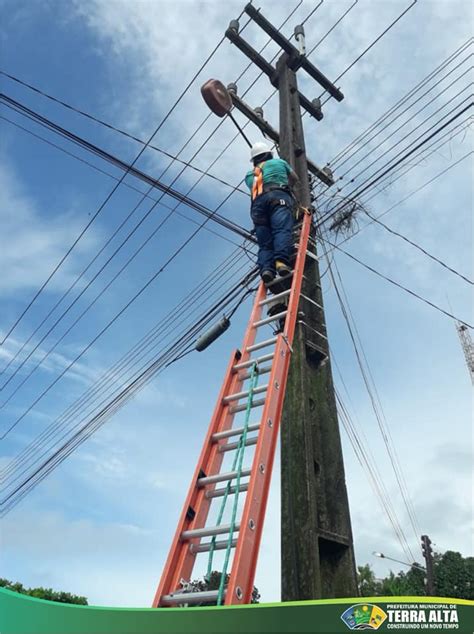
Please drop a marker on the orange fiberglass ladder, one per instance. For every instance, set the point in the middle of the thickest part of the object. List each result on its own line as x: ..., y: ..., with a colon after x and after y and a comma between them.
x: 227, y: 437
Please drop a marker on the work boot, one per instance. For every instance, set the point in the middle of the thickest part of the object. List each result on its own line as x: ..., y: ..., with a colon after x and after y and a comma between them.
x: 282, y: 268
x: 267, y: 276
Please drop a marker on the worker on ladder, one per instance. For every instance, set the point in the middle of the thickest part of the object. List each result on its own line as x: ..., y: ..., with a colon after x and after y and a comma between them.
x: 272, y: 210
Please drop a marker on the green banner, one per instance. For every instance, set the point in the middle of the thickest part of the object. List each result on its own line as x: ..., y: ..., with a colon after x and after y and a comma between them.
x: 20, y: 614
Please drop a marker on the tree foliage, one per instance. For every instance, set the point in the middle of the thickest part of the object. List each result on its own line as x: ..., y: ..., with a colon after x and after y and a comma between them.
x: 453, y: 577
x: 43, y: 593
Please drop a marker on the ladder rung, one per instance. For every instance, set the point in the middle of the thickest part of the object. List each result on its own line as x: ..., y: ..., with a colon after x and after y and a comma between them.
x: 268, y: 320
x: 233, y: 445
x: 312, y: 301
x: 300, y: 321
x: 236, y: 431
x: 309, y: 253
x: 271, y: 298
x: 208, y: 531
x: 250, y: 362
x: 278, y: 279
x: 190, y: 597
x: 217, y: 493
x: 238, y: 395
x: 261, y: 344
x: 222, y: 477
x: 241, y: 408
x: 218, y: 545
x: 247, y: 375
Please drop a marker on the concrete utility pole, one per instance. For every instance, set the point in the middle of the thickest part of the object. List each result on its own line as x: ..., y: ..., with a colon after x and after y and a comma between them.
x: 316, y: 544
x: 428, y: 555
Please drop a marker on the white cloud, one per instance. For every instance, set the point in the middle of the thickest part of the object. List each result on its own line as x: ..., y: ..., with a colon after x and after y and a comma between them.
x: 33, y: 243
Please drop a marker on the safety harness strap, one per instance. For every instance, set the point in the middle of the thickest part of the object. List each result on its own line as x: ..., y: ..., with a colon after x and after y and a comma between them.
x: 257, y: 187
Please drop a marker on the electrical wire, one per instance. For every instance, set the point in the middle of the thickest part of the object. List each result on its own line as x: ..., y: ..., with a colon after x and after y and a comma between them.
x: 116, y: 129
x: 397, y: 284
x: 419, y: 247
x: 388, y: 118
x: 114, y: 160
x: 214, y: 215
x: 376, y: 177
x: 141, y: 353
x: 109, y: 196
x: 217, y: 280
x: 371, y: 471
x: 411, y: 118
x: 395, y: 459
x: 105, y: 173
x: 365, y: 51
x: 409, y: 134
x: 57, y: 321
x: 107, y: 326
x: 445, y: 63
x: 432, y: 148
x: 209, y: 215
x: 373, y: 395
x: 94, y: 423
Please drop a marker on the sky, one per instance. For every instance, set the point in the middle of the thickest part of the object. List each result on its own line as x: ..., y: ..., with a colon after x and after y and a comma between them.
x: 101, y: 523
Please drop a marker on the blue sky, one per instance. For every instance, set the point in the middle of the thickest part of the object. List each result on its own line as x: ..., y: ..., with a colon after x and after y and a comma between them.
x: 101, y: 523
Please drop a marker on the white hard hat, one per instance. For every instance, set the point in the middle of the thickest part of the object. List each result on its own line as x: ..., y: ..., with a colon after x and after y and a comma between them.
x: 259, y: 148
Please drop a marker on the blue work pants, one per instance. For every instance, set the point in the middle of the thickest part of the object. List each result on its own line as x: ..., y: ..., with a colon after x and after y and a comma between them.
x: 272, y: 215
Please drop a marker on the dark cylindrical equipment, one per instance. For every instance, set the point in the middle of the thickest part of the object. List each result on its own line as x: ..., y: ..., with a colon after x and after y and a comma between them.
x: 212, y: 334
x: 299, y: 30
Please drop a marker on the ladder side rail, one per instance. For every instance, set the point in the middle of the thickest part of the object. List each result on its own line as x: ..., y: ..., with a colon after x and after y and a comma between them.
x: 293, y: 303
x: 172, y: 566
x: 242, y: 575
x: 181, y: 557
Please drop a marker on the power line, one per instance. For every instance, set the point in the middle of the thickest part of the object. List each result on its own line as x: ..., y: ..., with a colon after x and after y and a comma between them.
x: 336, y: 24
x: 403, y: 170
x: 372, y: 180
x: 399, y: 103
x: 395, y: 145
x: 417, y: 246
x: 172, y: 354
x: 105, y: 173
x: 116, y: 129
x: 420, y: 157
x: 209, y: 214
x: 213, y: 214
x: 373, y: 395
x: 365, y: 376
x: 411, y: 118
x: 107, y: 326
x: 418, y: 189
x: 109, y: 196
x: 373, y: 475
x: 387, y: 119
x: 156, y: 336
x: 119, y: 163
x: 390, y: 26
x: 397, y: 284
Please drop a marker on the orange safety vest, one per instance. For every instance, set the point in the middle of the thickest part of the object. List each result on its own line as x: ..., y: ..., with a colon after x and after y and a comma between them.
x: 257, y: 187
